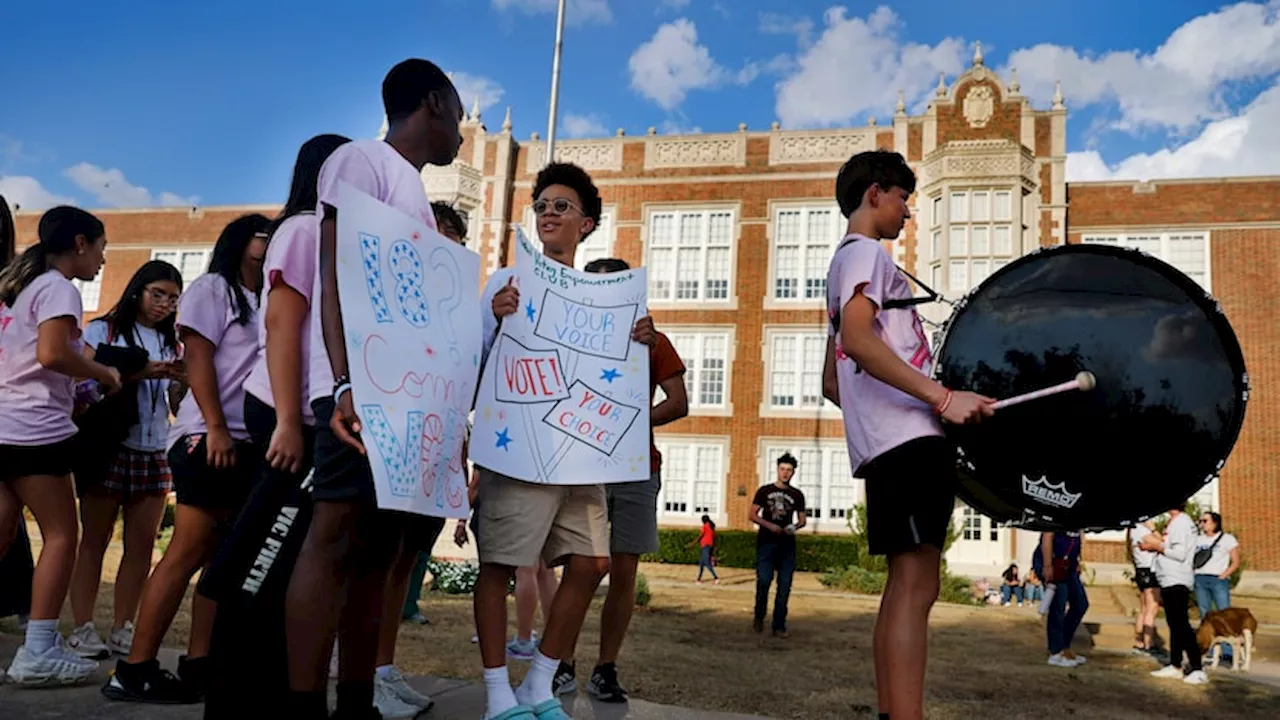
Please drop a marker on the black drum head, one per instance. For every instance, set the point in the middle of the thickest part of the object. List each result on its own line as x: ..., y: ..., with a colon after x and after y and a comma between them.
x: 1161, y: 421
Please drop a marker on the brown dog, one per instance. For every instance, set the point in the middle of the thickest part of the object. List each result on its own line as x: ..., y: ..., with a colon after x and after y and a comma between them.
x: 1234, y: 626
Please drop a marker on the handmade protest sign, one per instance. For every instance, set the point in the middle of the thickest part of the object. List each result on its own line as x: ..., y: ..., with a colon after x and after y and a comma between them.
x: 412, y: 319
x: 564, y: 394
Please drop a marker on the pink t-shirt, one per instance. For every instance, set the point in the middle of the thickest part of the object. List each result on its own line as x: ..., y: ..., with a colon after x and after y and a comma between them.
x: 290, y: 260
x: 877, y: 416
x: 208, y: 308
x: 36, y: 402
x: 381, y: 172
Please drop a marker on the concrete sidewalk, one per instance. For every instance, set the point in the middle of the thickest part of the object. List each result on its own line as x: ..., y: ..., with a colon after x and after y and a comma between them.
x: 455, y: 700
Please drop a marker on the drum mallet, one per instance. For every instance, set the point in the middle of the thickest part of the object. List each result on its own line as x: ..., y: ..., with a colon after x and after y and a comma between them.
x: 1085, y: 381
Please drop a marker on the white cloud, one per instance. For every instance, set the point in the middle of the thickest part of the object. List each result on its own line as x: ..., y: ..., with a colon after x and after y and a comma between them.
x: 857, y: 65
x: 111, y: 188
x: 470, y: 87
x: 1180, y: 85
x: 25, y: 192
x: 1242, y: 144
x: 576, y: 12
x: 796, y: 25
x: 676, y: 4
x: 577, y: 126
x: 671, y: 63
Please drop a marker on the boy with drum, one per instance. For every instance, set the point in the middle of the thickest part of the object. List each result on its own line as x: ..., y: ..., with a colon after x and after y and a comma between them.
x: 878, y: 363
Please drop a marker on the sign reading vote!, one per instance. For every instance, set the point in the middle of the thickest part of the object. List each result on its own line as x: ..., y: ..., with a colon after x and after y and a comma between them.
x: 564, y: 394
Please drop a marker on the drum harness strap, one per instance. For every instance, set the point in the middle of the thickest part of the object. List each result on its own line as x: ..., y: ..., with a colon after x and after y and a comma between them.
x: 897, y: 303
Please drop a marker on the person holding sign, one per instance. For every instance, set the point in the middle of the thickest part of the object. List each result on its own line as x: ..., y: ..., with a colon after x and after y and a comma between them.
x: 523, y: 521
x: 633, y: 513
x: 351, y: 544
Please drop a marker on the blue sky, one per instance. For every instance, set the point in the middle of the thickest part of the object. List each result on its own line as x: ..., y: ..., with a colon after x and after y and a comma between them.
x: 143, y: 102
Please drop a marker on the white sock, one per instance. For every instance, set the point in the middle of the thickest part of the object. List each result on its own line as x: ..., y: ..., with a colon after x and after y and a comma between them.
x: 41, y: 635
x: 536, y: 687
x: 497, y: 685
x: 383, y: 671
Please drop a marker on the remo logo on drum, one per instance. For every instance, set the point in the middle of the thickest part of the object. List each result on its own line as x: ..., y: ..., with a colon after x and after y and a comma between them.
x: 1049, y: 493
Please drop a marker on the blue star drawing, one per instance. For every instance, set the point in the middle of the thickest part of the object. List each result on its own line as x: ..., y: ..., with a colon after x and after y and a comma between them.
x: 610, y: 375
x: 503, y: 439
x: 475, y: 360
x: 528, y: 310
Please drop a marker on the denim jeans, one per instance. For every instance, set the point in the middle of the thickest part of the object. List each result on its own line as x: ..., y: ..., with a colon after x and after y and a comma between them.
x: 1032, y: 593
x: 1008, y: 591
x: 1066, y: 610
x: 1213, y: 593
x: 774, y: 557
x: 704, y: 563
x: 415, y: 586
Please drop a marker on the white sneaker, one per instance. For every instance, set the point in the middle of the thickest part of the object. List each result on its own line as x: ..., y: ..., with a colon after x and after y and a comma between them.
x: 402, y: 690
x: 1168, y: 671
x: 384, y: 698
x: 1077, y: 659
x: 120, y: 641
x: 1060, y: 660
x: 59, y: 665
x: 1196, y: 677
x: 86, y: 643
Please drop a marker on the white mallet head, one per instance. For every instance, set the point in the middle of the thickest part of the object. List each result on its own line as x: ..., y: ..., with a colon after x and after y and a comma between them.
x: 1086, y: 380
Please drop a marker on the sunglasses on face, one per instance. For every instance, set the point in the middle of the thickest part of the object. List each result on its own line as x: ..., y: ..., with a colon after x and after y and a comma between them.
x: 559, y: 206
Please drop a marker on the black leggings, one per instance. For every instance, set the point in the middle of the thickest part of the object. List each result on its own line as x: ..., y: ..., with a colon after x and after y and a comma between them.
x: 1182, y: 639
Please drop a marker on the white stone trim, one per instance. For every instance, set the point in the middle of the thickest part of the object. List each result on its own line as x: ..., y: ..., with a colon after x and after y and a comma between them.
x: 695, y: 151
x: 598, y: 154
x: 819, y: 146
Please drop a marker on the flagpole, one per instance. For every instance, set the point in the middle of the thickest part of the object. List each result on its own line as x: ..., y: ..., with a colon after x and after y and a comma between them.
x: 555, y: 86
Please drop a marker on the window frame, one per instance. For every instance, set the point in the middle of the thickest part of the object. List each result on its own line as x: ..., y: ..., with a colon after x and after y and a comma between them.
x: 206, y: 252
x: 91, y: 289
x: 734, y: 211
x: 701, y: 332
x: 964, y: 228
x: 825, y: 409
x: 691, y: 515
x: 806, y: 208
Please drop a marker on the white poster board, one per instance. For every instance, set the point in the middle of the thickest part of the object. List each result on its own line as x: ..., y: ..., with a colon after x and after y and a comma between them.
x: 412, y: 321
x: 564, y: 395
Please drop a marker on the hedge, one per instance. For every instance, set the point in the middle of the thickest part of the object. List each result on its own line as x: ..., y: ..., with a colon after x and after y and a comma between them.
x: 737, y: 549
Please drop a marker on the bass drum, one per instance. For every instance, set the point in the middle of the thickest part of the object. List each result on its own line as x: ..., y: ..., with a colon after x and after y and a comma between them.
x: 1167, y: 408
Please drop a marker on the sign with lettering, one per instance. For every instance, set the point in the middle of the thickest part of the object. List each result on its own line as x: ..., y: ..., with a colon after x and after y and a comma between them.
x: 564, y: 394
x: 412, y: 322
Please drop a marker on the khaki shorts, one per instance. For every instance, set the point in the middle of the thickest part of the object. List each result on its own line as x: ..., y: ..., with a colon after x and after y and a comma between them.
x: 524, y: 521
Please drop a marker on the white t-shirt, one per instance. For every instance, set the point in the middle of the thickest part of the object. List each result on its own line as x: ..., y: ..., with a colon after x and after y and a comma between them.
x: 1142, y: 559
x: 1174, y: 566
x: 1221, y: 558
x: 152, y: 430
x: 877, y: 416
x: 381, y: 172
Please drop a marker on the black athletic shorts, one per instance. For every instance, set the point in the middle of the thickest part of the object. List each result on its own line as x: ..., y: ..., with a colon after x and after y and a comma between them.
x: 342, y: 474
x: 1145, y: 578
x: 911, y: 493
x: 18, y: 461
x: 218, y: 492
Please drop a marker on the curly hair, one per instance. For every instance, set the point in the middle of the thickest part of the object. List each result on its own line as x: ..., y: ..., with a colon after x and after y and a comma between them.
x: 576, y: 179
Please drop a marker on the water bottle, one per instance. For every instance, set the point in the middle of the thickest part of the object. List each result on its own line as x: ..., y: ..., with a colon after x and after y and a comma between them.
x: 1049, y: 589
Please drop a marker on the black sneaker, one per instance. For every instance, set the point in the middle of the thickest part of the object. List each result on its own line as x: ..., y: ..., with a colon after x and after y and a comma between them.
x: 194, y: 672
x: 758, y: 626
x: 147, y: 682
x: 604, y: 686
x: 565, y: 680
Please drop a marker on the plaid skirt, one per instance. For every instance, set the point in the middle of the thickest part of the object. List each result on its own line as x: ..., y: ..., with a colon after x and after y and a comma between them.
x: 135, y: 472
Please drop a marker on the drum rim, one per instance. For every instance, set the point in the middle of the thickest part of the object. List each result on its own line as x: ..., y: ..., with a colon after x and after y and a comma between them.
x: 1202, y: 297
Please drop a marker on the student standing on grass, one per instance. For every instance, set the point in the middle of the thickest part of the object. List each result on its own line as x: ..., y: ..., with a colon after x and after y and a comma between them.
x: 522, y: 521
x: 1174, y: 566
x: 878, y: 372
x: 135, y: 479
x: 1060, y: 557
x: 633, y: 511
x: 779, y: 510
x: 707, y: 549
x: 351, y: 544
x: 40, y: 355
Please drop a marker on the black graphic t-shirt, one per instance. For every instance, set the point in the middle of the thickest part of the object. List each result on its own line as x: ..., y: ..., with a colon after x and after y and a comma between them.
x: 779, y: 506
